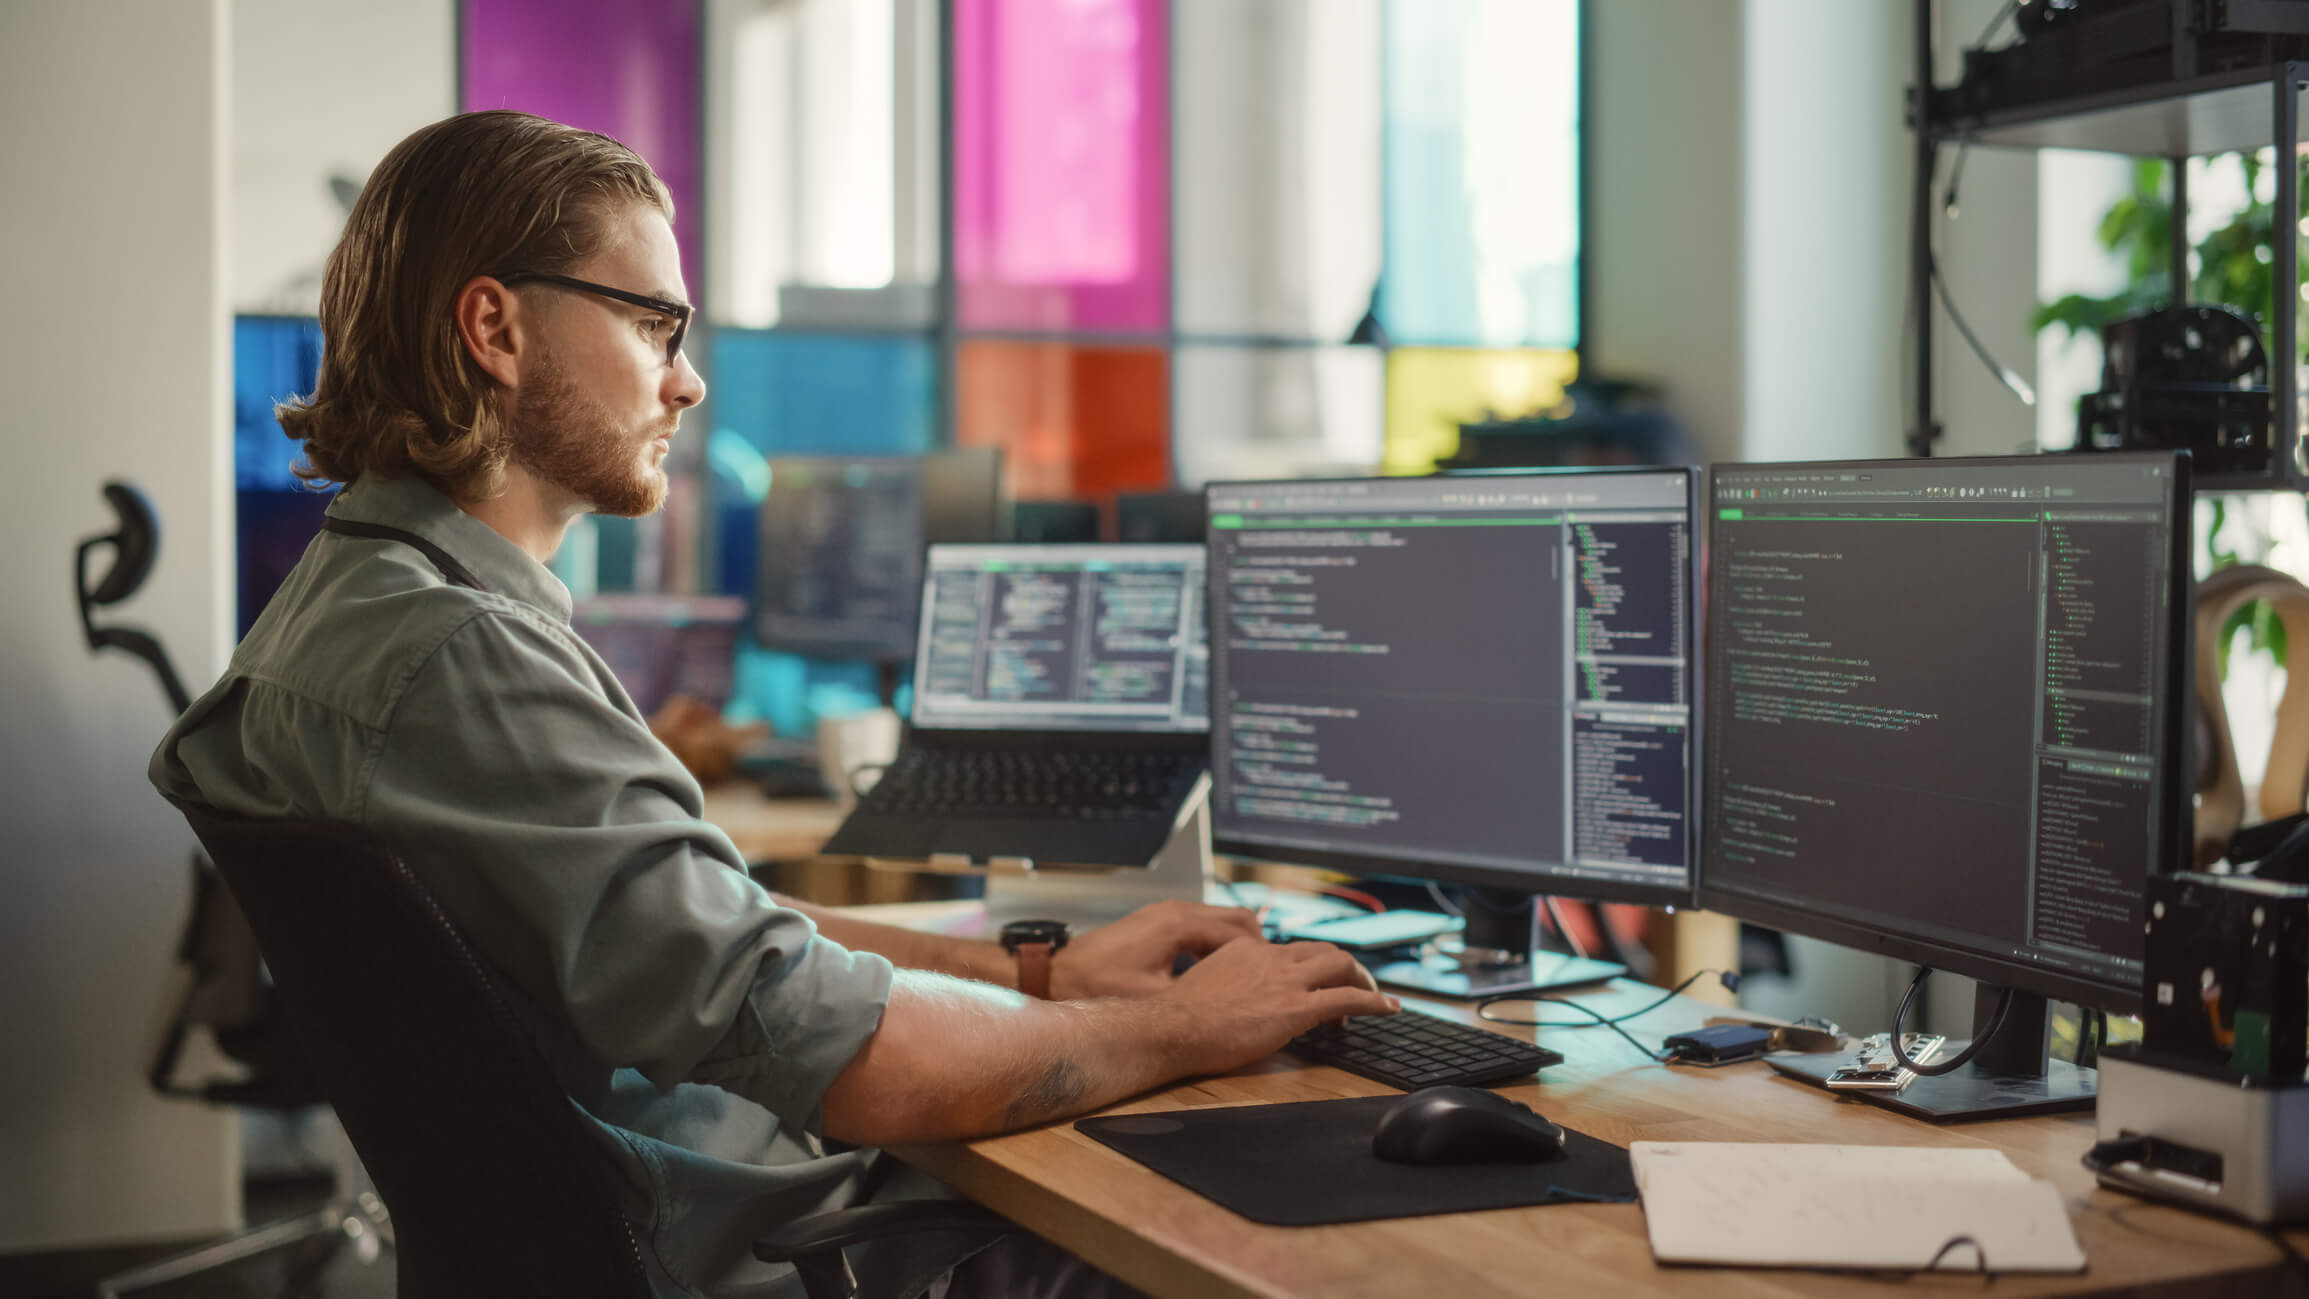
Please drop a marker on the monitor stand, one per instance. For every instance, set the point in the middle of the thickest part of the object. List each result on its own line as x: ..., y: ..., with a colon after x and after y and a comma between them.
x: 2013, y: 1076
x: 1497, y: 958
x: 1485, y: 972
x: 1088, y: 898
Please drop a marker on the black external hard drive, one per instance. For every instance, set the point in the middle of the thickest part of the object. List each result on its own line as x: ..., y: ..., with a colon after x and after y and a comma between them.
x: 1719, y: 1044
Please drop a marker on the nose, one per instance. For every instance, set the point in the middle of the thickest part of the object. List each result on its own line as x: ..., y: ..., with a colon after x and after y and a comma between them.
x: 686, y: 387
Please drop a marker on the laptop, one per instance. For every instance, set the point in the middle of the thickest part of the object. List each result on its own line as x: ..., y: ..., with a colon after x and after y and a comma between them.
x: 1060, y: 712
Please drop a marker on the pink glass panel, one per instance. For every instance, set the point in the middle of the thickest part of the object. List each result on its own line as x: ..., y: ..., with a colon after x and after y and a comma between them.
x: 625, y: 68
x: 1062, y: 175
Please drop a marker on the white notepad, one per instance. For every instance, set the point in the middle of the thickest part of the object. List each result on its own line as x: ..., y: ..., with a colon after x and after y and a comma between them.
x: 1767, y: 1205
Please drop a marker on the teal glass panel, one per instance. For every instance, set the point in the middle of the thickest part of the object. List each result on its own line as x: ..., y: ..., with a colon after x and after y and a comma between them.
x: 1481, y: 186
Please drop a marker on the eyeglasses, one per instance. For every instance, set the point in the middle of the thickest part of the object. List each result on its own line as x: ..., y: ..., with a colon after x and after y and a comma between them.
x: 679, y: 311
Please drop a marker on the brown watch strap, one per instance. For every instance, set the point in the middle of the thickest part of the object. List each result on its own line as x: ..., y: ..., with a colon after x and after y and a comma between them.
x: 1034, y: 969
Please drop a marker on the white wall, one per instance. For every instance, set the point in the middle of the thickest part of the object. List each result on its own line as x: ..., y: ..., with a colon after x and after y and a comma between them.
x: 113, y: 358
x: 1665, y: 211
x: 1750, y: 165
x: 1825, y: 193
x: 1988, y: 256
x: 303, y: 111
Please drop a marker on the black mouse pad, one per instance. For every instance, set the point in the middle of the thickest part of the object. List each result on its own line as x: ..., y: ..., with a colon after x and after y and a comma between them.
x: 1308, y: 1164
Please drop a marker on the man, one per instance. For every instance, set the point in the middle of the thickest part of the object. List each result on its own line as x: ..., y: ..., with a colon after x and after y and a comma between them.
x: 503, y: 321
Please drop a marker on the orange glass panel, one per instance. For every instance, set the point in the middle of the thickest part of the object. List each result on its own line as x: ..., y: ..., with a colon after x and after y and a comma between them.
x: 1075, y: 423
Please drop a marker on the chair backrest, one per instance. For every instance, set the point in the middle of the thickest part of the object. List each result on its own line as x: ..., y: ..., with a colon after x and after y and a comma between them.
x: 494, y: 1184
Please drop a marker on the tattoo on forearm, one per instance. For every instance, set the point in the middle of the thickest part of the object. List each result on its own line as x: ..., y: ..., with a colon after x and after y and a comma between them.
x: 1061, y: 1085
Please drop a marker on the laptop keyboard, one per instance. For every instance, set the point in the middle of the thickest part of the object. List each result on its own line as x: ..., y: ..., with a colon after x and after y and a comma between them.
x: 1085, y: 785
x: 1411, y: 1050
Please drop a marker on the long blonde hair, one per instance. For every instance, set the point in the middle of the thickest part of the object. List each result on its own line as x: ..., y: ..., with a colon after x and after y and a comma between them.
x: 490, y: 193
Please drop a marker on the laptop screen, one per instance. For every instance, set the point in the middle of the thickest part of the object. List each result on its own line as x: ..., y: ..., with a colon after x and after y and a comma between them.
x: 1063, y: 638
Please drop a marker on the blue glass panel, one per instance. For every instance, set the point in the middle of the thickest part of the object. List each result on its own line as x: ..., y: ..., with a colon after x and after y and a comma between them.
x: 818, y: 394
x: 274, y: 358
x: 1481, y: 184
x: 275, y: 514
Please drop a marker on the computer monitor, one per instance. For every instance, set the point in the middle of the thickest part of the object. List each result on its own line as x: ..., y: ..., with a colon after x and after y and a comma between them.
x: 660, y: 646
x: 1054, y: 521
x: 840, y: 568
x: 1481, y: 680
x: 1943, y: 724
x: 1063, y: 638
x: 1158, y: 516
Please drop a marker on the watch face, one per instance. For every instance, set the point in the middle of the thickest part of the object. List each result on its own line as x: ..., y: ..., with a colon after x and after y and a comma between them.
x: 1019, y: 932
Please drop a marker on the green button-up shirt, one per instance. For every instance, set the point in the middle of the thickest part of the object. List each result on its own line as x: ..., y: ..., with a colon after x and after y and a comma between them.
x: 694, y: 1019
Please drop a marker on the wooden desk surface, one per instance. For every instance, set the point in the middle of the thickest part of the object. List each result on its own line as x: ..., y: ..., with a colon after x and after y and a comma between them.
x: 1169, y: 1241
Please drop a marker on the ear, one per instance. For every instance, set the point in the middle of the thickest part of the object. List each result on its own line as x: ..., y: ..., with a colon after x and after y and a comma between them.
x: 493, y: 328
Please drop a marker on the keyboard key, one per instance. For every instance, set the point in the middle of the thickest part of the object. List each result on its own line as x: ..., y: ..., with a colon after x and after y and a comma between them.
x: 1414, y: 1050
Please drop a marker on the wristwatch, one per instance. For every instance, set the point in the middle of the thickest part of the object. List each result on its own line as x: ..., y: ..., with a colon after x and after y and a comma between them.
x: 1034, y: 943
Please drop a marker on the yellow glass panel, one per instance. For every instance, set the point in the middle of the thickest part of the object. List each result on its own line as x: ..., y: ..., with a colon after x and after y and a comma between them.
x: 1431, y: 391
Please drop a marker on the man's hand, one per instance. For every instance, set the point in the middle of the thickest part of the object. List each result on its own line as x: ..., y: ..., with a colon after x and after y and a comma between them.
x: 955, y: 1058
x: 1133, y: 956
x: 1251, y: 997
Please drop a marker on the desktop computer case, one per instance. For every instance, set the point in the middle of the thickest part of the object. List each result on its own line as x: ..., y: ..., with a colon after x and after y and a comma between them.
x: 2260, y: 1133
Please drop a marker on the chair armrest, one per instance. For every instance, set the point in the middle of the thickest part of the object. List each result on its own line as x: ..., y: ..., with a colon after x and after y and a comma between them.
x: 814, y: 1244
x: 840, y: 1228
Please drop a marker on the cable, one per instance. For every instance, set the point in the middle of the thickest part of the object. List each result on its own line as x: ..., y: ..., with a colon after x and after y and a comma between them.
x: 1356, y: 896
x: 2004, y: 374
x: 2009, y: 8
x: 1555, y: 917
x: 1442, y: 903
x: 1652, y: 1053
x: 1955, y: 174
x: 1731, y: 982
x: 1961, y: 1058
x: 1951, y: 1243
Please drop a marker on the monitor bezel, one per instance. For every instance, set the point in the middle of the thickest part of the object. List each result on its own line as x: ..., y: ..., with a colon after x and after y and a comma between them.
x: 1547, y: 880
x: 1137, y: 552
x: 1988, y: 967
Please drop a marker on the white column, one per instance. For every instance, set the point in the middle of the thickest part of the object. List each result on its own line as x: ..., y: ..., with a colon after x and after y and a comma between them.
x: 114, y: 359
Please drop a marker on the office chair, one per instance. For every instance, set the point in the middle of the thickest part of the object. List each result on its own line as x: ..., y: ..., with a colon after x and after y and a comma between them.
x: 220, y: 984
x: 493, y: 1183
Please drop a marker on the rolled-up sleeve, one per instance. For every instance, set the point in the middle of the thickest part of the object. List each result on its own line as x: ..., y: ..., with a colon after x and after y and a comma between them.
x: 568, y: 842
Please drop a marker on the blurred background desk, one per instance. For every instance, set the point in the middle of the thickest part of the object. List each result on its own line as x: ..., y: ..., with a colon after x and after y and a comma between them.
x: 771, y: 829
x: 780, y: 838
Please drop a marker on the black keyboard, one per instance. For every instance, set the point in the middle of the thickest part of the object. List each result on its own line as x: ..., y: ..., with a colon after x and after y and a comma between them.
x: 1411, y: 1050
x: 1079, y: 784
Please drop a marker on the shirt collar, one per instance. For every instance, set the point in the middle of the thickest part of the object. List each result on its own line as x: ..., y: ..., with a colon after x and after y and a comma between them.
x: 414, y: 505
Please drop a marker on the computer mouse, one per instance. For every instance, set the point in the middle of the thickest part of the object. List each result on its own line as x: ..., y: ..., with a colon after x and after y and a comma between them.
x: 1463, y: 1125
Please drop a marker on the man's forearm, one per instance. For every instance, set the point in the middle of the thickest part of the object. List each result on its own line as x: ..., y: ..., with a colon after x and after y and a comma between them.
x: 913, y: 949
x: 956, y: 1060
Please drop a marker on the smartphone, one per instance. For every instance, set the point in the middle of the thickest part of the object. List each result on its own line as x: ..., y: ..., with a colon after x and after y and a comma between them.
x: 1378, y: 929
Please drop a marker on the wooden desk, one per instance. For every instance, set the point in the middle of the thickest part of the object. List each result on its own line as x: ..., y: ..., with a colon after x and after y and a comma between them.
x: 1167, y: 1240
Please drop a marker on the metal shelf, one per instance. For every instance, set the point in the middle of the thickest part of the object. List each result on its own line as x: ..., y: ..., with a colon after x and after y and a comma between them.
x: 2178, y: 119
x: 2226, y: 112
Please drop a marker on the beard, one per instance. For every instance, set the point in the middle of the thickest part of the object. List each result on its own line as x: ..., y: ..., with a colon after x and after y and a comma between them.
x: 569, y: 439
